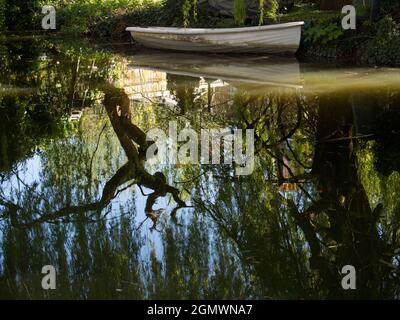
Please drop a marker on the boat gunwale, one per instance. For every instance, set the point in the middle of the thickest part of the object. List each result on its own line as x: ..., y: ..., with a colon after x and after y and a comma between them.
x: 203, y: 31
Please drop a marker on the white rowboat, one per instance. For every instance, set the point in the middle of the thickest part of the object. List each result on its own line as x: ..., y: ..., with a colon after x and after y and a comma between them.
x: 277, y: 38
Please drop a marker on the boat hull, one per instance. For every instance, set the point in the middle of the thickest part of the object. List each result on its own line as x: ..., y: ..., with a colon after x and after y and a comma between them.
x: 283, y: 38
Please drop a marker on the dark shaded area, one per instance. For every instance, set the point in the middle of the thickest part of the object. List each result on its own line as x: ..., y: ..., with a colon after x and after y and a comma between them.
x: 20, y: 15
x: 387, y: 134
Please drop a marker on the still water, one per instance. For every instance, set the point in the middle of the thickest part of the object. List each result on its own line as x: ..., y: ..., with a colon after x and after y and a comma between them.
x: 77, y: 192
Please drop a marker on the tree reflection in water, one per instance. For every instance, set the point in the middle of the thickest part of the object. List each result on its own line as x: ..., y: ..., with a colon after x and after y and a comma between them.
x: 321, y: 197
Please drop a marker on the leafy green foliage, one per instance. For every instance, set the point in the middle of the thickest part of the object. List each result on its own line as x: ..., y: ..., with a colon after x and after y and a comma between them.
x: 189, y: 9
x: 323, y: 35
x: 20, y: 14
x: 321, y: 27
x: 81, y: 16
x: 240, y: 11
x: 112, y: 25
x: 273, y: 11
x: 384, y: 48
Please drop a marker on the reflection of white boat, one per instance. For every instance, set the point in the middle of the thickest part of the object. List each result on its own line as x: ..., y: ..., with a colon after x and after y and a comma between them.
x: 9, y: 89
x: 75, y: 115
x: 278, y: 38
x: 143, y: 85
x: 280, y: 72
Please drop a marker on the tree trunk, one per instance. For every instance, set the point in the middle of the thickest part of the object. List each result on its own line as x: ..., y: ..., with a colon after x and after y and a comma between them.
x: 342, y: 197
x: 375, y: 9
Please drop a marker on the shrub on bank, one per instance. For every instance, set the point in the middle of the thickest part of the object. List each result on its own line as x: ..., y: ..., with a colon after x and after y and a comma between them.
x: 373, y: 42
x: 18, y: 15
x: 384, y: 47
x: 81, y: 16
x: 112, y: 25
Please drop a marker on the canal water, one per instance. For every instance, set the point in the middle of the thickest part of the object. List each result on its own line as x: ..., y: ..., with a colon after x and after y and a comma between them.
x: 79, y: 192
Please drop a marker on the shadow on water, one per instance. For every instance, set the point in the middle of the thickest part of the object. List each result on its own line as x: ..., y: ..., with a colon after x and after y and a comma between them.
x: 77, y: 192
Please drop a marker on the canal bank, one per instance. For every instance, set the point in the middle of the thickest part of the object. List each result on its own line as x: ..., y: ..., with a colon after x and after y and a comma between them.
x: 374, y: 42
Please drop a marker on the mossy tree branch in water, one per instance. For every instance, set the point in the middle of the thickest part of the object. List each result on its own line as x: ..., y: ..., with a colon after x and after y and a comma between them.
x: 116, y: 103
